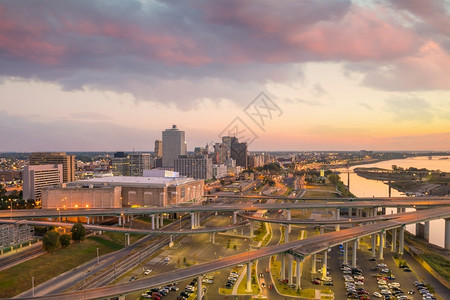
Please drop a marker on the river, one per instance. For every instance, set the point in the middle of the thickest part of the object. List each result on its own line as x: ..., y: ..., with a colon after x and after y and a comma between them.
x: 362, y: 187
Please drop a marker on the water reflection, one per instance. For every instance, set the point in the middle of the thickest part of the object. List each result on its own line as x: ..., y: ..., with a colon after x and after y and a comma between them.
x: 362, y: 187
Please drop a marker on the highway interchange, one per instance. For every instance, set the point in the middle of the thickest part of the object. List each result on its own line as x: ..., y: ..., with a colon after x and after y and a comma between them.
x: 302, y: 248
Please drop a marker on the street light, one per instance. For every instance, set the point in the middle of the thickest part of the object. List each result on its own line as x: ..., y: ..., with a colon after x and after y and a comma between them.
x: 32, y: 285
x: 11, y: 207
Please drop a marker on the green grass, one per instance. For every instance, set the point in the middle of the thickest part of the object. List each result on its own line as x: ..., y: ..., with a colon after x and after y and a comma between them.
x: 119, y: 238
x: 260, y: 232
x: 319, y: 194
x: 17, y: 279
x: 243, y: 285
x: 438, y: 263
x: 283, y: 288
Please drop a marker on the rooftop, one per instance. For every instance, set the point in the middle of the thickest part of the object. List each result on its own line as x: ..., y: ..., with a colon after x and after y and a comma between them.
x: 135, y: 180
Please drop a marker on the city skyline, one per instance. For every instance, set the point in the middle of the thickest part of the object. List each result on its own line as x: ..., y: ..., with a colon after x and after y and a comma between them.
x: 111, y: 75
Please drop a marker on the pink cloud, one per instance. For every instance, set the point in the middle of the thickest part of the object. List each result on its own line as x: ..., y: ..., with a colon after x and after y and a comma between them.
x: 426, y: 69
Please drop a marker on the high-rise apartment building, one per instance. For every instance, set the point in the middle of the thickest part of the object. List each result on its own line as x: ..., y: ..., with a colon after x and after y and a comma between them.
x: 39, y: 176
x: 173, y: 145
x: 199, y: 167
x: 139, y: 162
x: 158, y: 148
x: 54, y: 158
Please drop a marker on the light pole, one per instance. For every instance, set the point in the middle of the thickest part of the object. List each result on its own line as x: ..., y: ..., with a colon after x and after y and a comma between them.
x: 32, y: 285
x: 98, y: 259
x: 11, y: 207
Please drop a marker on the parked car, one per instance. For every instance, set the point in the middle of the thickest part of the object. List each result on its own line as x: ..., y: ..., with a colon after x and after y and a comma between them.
x: 148, y: 271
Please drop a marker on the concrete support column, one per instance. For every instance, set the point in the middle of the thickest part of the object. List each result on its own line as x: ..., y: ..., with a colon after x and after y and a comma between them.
x: 161, y: 219
x: 290, y: 269
x: 338, y: 217
x: 401, y: 242
x: 314, y: 263
x: 199, y: 287
x: 192, y: 220
x: 322, y: 229
x: 346, y: 253
x: 374, y: 244
x: 394, y: 240
x: 120, y: 220
x: 234, y: 217
x: 157, y: 221
x: 289, y: 218
x: 349, y: 212
x: 298, y: 272
x: 87, y: 220
x: 171, y: 239
x: 380, y: 248
x: 251, y: 230
x: 447, y: 234
x: 249, y: 277
x: 358, y: 243
x: 286, y: 234
x: 213, y: 237
x: 127, y: 239
x: 355, y: 246
x: 426, y: 231
x: 324, y: 263
x: 375, y: 211
x: 283, y: 266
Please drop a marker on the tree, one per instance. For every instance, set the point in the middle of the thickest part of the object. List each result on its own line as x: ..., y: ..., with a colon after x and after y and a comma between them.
x: 78, y: 232
x: 50, y: 241
x: 334, y: 179
x: 64, y: 240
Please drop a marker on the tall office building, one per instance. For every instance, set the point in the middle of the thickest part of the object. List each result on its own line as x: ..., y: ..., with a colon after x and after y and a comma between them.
x: 221, y: 154
x: 158, y: 148
x: 120, y: 164
x: 54, y: 158
x: 39, y: 176
x: 239, y: 152
x: 139, y: 162
x: 199, y: 167
x: 173, y: 145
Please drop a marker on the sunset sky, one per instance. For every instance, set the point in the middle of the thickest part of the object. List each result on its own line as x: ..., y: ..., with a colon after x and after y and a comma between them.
x: 110, y: 75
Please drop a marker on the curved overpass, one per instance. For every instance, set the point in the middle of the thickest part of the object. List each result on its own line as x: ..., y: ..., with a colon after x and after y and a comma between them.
x: 92, y: 212
x: 130, y: 230
x: 302, y: 248
x: 322, y: 221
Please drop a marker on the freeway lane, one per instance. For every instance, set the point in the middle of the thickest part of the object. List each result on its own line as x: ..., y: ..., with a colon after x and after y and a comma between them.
x: 303, y: 247
x: 130, y: 230
x: 419, y: 202
x: 323, y: 221
x: 312, y: 199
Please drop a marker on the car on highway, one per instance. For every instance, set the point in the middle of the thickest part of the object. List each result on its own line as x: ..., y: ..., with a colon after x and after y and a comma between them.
x: 407, y: 270
x: 148, y: 271
x: 386, y: 270
x: 133, y: 278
